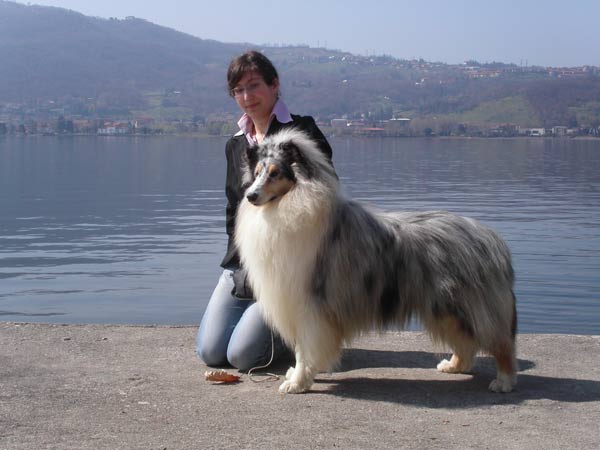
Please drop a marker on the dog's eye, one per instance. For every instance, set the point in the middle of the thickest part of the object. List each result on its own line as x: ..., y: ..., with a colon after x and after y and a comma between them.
x: 273, y: 171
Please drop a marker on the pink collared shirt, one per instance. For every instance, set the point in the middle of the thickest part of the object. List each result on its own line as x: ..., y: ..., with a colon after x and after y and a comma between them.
x: 280, y: 112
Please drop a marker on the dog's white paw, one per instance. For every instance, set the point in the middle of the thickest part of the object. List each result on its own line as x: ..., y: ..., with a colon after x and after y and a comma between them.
x: 447, y: 367
x: 289, y: 373
x: 455, y: 365
x: 289, y: 387
x: 503, y: 384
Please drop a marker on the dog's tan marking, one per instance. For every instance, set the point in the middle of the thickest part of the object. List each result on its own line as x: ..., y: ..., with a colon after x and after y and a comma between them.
x: 277, y: 187
x: 506, y: 363
x: 273, y: 170
x: 258, y: 169
x: 505, y: 360
x: 448, y: 329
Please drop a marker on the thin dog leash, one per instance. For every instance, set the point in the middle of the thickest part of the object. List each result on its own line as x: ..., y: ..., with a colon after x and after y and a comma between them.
x: 267, y: 376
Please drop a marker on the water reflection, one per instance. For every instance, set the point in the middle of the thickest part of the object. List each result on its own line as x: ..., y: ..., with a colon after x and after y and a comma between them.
x: 132, y: 230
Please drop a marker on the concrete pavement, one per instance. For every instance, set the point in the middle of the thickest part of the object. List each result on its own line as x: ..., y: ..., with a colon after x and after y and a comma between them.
x: 131, y: 387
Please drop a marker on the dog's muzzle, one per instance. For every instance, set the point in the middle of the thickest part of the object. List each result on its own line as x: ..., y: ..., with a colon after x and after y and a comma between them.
x: 252, y: 197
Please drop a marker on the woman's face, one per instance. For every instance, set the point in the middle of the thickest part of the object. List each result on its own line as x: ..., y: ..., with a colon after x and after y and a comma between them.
x: 255, y: 97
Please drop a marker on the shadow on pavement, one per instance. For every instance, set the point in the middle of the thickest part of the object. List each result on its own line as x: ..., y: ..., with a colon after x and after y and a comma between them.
x: 449, y: 393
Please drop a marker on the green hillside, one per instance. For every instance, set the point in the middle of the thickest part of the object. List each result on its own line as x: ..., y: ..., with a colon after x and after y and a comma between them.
x: 505, y: 110
x: 59, y: 62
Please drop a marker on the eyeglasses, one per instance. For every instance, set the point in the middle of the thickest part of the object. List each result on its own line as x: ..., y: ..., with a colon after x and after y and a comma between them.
x: 239, y: 91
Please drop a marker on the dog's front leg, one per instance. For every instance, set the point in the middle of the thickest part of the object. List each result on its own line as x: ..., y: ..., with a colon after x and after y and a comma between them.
x: 300, y: 378
x: 317, y: 349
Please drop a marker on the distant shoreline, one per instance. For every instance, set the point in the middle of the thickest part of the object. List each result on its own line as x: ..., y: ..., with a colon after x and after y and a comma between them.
x: 210, y: 136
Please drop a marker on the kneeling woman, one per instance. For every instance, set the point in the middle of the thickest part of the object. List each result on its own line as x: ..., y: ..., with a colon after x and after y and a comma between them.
x: 232, y: 330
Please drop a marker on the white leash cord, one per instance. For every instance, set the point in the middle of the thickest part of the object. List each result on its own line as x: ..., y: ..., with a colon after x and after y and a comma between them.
x: 267, y: 376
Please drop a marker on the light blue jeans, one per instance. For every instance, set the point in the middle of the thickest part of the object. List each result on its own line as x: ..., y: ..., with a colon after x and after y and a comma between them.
x: 233, y: 331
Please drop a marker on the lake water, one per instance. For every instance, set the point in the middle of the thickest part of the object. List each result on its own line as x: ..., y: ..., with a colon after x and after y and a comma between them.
x: 131, y: 230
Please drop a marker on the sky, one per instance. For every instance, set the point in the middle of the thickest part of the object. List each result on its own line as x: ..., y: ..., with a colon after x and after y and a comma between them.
x: 523, y: 32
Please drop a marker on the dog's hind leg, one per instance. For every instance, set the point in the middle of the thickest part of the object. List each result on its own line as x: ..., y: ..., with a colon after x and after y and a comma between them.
x: 506, y: 363
x: 464, y: 350
x: 504, y: 349
x: 464, y: 347
x: 461, y: 362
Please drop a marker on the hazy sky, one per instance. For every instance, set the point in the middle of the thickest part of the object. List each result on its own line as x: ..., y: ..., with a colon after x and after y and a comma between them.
x: 547, y: 33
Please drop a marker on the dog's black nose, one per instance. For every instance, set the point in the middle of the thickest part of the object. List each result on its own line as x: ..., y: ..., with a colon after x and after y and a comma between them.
x: 252, y: 196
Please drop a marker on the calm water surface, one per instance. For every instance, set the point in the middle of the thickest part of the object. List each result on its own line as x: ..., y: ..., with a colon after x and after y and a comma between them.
x: 131, y: 230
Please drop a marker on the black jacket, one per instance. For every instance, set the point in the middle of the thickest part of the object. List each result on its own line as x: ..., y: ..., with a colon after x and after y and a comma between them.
x: 235, y: 151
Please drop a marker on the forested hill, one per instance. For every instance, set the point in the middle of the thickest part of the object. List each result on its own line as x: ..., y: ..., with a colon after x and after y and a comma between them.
x: 91, y: 67
x: 52, y: 53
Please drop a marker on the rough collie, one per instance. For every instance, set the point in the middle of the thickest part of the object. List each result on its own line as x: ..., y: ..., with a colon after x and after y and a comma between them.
x: 324, y: 267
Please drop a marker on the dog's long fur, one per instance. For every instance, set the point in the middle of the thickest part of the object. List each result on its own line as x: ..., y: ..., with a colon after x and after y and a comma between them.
x: 324, y: 268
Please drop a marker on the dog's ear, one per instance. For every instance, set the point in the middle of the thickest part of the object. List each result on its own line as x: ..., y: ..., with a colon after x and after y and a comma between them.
x: 294, y: 155
x: 249, y: 165
x: 252, y: 157
x: 251, y: 160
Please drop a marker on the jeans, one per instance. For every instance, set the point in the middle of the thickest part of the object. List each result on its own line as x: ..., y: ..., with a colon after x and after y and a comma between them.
x: 234, y: 332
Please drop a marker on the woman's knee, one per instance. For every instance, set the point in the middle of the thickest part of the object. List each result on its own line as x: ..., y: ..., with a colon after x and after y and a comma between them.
x: 208, y: 346
x: 212, y: 351
x: 251, y: 342
x: 217, y: 323
x: 245, y: 357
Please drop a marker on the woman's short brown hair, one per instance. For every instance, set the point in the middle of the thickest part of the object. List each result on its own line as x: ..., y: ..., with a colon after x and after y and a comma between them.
x: 250, y: 61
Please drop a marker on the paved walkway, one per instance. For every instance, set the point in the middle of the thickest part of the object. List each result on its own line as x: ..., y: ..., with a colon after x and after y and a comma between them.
x: 121, y: 387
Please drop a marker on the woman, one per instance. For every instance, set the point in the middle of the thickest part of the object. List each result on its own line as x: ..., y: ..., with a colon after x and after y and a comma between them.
x: 232, y: 330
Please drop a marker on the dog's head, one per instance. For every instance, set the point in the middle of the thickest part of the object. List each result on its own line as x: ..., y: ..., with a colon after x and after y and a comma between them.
x: 275, y: 167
